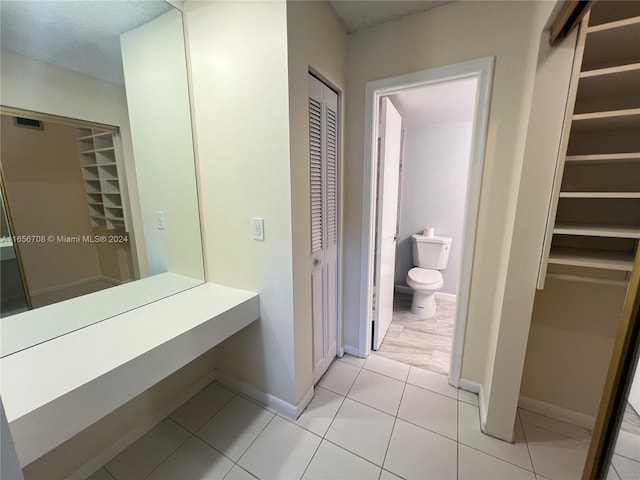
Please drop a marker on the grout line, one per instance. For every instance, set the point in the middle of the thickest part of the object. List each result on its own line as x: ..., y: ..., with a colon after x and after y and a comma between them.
x: 526, y: 442
x: 254, y: 440
x: 547, y: 429
x: 191, y: 435
x: 312, y: 457
x: 455, y: 399
x: 208, y: 418
x: 385, y: 375
x: 498, y: 458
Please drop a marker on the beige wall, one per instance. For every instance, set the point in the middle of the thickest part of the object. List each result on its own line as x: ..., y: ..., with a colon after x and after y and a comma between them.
x: 316, y: 39
x: 46, y: 196
x: 238, y: 55
x: 573, y: 329
x: 456, y: 32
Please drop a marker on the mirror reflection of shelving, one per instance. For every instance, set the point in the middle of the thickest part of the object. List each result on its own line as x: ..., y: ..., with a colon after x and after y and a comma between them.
x: 597, y: 225
x: 97, y: 154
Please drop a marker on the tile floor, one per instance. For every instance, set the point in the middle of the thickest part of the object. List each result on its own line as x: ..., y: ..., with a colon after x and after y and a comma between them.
x: 420, y: 342
x: 376, y: 419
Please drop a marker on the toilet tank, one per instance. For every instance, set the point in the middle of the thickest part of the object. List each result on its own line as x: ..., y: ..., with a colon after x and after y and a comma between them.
x: 431, y: 252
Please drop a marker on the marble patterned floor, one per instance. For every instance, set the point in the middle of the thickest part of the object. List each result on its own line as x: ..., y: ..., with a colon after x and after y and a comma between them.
x: 631, y: 421
x: 420, y: 342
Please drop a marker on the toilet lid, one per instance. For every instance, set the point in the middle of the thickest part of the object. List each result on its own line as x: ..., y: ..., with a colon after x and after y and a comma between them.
x: 425, y: 276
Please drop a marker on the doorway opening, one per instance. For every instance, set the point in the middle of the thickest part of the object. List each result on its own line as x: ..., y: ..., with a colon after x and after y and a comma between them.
x: 424, y: 152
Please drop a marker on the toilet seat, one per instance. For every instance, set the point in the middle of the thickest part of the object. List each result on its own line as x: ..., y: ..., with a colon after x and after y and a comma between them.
x: 424, y: 276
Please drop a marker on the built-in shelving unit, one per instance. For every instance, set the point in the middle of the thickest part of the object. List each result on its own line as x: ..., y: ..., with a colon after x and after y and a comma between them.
x: 97, y: 153
x: 594, y: 225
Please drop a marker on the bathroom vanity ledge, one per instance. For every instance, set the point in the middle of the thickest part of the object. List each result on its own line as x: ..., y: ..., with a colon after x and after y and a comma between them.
x: 54, y: 390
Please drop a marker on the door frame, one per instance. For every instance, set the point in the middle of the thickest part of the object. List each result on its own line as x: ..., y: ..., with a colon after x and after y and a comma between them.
x: 482, y: 69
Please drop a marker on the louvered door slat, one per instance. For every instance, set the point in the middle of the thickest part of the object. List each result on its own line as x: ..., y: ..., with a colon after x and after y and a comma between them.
x: 315, y: 164
x: 331, y: 177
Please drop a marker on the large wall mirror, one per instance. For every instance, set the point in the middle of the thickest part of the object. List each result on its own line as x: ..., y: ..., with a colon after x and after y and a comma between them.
x: 99, y: 203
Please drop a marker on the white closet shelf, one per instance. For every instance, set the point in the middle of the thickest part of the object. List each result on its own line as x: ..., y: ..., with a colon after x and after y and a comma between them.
x: 590, y: 258
x: 628, y: 118
x: 605, y: 72
x: 95, y: 135
x: 599, y: 194
x: 611, y: 82
x: 97, y: 150
x: 612, y: 44
x: 627, y: 22
x: 613, y: 231
x: 604, y: 157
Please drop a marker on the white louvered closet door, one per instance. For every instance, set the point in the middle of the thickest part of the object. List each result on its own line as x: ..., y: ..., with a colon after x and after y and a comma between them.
x: 323, y: 171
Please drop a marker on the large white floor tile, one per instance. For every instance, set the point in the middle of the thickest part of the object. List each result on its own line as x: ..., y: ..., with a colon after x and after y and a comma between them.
x: 563, y: 428
x: 356, y: 361
x: 194, y: 460
x: 468, y: 397
x: 320, y: 412
x: 431, y: 381
x: 235, y: 426
x: 469, y: 434
x: 415, y: 453
x: 628, y: 445
x: 145, y: 454
x: 475, y: 465
x: 101, y: 474
x: 377, y: 391
x: 237, y: 473
x: 339, y: 377
x: 388, y: 367
x: 430, y: 410
x: 193, y: 414
x: 334, y: 463
x: 555, y: 456
x: 627, y: 469
x: 282, y: 450
x: 362, y: 430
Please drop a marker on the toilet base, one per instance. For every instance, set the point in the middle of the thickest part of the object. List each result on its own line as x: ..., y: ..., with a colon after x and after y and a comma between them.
x: 423, y: 304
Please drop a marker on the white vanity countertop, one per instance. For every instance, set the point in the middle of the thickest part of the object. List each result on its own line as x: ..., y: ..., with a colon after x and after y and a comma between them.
x: 56, y: 389
x: 42, y: 324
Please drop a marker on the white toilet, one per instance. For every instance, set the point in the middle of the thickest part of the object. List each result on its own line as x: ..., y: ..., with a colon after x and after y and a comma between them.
x: 430, y: 255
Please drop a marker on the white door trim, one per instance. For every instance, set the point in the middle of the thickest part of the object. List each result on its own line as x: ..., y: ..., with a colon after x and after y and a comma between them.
x: 482, y: 69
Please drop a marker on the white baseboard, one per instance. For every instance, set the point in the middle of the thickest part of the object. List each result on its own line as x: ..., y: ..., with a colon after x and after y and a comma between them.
x: 559, y: 413
x: 62, y: 286
x: 77, y: 283
x: 113, y: 281
x: 288, y: 409
x: 143, y: 427
x: 446, y: 296
x: 475, y: 387
x: 403, y: 289
x: 351, y: 350
x: 439, y: 295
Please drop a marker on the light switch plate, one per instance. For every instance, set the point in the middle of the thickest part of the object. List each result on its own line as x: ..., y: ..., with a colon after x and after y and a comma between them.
x: 258, y: 228
x: 160, y: 220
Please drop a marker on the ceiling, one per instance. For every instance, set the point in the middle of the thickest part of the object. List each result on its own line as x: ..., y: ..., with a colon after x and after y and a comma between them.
x: 82, y: 36
x: 359, y: 14
x: 445, y: 102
